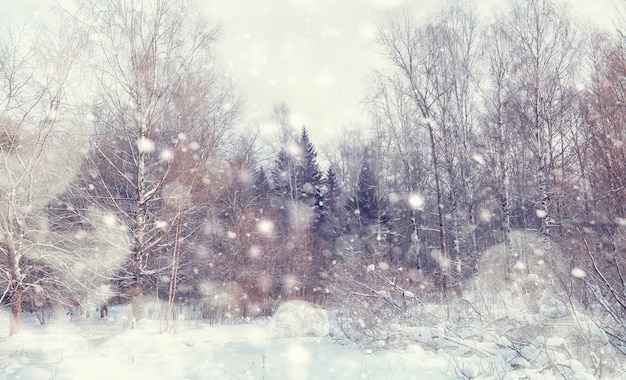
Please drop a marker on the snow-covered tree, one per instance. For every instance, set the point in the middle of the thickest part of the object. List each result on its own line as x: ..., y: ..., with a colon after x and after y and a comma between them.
x: 297, y: 192
x: 38, y: 149
x: 161, y: 110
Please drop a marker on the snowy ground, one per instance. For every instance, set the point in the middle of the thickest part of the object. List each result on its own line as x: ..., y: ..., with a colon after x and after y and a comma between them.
x: 106, y: 349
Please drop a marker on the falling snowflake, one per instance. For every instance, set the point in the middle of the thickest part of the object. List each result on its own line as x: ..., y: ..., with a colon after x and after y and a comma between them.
x: 479, y: 159
x: 265, y: 227
x: 145, y: 145
x: 416, y: 201
x: 109, y: 220
x: 167, y: 155
x: 578, y: 272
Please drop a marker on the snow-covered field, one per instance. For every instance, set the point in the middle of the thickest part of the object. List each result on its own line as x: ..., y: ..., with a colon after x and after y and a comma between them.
x: 301, y: 341
x: 106, y: 349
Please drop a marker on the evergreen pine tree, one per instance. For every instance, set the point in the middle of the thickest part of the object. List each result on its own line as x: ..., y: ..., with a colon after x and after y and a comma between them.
x: 261, y: 187
x: 284, y: 175
x: 331, y: 190
x: 366, y: 204
x: 297, y: 193
x: 309, y: 177
x: 297, y: 178
x: 331, y: 218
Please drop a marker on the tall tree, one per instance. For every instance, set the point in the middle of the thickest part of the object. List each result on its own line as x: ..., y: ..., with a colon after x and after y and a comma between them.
x: 426, y: 99
x: 330, y: 207
x: 297, y: 181
x: 603, y: 170
x: 499, y: 136
x: 37, y: 149
x: 297, y: 189
x: 368, y: 204
x: 545, y: 56
x: 161, y: 112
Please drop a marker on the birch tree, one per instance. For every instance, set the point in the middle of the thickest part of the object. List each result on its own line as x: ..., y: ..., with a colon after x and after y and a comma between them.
x: 546, y: 61
x: 36, y: 154
x: 424, y: 105
x: 499, y: 136
x: 160, y: 98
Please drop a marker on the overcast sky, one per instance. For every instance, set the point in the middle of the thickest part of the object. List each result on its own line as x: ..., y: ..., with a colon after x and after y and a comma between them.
x: 313, y: 55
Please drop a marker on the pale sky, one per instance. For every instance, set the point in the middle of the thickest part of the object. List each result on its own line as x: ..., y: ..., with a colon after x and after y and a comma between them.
x: 313, y: 55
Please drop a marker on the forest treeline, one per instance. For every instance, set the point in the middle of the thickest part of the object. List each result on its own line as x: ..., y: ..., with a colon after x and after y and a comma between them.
x: 126, y: 173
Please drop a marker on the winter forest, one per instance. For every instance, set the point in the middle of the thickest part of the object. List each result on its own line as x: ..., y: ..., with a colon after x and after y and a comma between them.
x: 481, y: 209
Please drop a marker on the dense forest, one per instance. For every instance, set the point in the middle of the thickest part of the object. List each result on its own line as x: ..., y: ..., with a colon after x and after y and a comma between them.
x: 495, y: 151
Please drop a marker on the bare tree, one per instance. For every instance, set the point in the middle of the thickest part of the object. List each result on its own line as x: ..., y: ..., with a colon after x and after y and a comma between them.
x: 545, y: 71
x: 499, y: 137
x: 424, y: 108
x: 37, y: 149
x: 600, y: 235
x: 161, y: 103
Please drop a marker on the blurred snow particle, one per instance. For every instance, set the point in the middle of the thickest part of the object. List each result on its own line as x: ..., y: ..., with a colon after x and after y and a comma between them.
x: 254, y: 252
x: 541, y: 214
x: 160, y: 224
x: 166, y: 155
x: 620, y: 222
x: 109, y: 220
x: 265, y: 227
x: 383, y: 265
x: 290, y: 282
x: 416, y: 201
x: 294, y: 149
x: 145, y: 145
x: 444, y: 262
x: 520, y: 265
x: 479, y: 159
x: 231, y: 235
x: 485, y: 215
x: 308, y: 188
x: 194, y: 146
x: 298, y: 354
x: 371, y: 268
x: 578, y: 272
x: 393, y: 198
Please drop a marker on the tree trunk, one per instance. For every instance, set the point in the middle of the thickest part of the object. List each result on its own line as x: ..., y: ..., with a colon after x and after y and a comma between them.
x: 171, y: 294
x: 136, y: 301
x: 415, y: 240
x: 443, y: 245
x: 16, y: 310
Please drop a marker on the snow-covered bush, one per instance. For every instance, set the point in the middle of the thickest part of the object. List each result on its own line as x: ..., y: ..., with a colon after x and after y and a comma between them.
x: 221, y: 301
x: 520, y: 321
x: 528, y: 254
x: 366, y: 299
x: 300, y: 318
